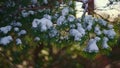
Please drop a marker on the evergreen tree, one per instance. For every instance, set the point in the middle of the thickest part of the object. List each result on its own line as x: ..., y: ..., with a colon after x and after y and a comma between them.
x: 42, y: 33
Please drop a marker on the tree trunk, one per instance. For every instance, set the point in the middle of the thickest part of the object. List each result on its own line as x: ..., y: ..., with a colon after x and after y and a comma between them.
x: 90, y: 7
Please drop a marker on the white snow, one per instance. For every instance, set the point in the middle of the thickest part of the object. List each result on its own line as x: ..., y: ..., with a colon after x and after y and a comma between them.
x: 72, y: 25
x: 60, y: 20
x: 37, y: 39
x: 24, y: 13
x: 44, y: 23
x: 53, y: 33
x: 110, y: 33
x: 65, y: 11
x: 6, y: 40
x: 92, y: 46
x: 97, y: 30
x: 56, y: 15
x: 102, y: 22
x: 79, y: 19
x: 47, y: 16
x: 80, y: 29
x: 18, y: 41
x: 17, y: 24
x: 101, y: 3
x: 43, y: 28
x: 88, y: 18
x: 104, y: 43
x: 97, y: 38
x: 76, y: 34
x: 22, y: 32
x: 35, y: 22
x: 71, y: 18
x: 5, y: 29
x: 31, y: 12
x: 89, y: 25
x: 16, y: 29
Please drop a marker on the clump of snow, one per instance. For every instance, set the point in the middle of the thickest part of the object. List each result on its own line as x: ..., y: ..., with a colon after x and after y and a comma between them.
x: 88, y: 22
x: 65, y: 11
x: 60, y: 20
x: 16, y: 29
x: 53, y: 33
x: 27, y: 13
x: 16, y: 24
x: 97, y: 30
x: 80, y: 29
x: 64, y: 37
x: 43, y: 23
x: 97, y: 38
x: 34, y: 1
x: 72, y: 25
x: 92, y: 46
x: 43, y: 28
x: 110, y: 26
x: 110, y: 33
x: 37, y: 39
x: 35, y: 23
x: 104, y: 43
x: 22, y: 32
x: 79, y: 20
x: 6, y: 40
x: 47, y: 16
x: 71, y: 18
x: 89, y: 25
x: 31, y: 12
x: 5, y: 29
x: 88, y: 18
x: 76, y: 34
x: 24, y: 13
x: 102, y: 22
x: 45, y: 1
x: 18, y: 41
x: 56, y: 15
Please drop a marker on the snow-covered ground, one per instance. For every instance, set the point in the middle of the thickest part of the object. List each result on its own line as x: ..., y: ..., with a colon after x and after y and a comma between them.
x: 109, y: 12
x: 79, y: 9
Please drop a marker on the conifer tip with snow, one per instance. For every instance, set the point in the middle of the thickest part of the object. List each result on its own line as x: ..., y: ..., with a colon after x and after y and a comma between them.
x: 43, y: 24
x: 16, y: 29
x: 97, y: 30
x: 104, y: 43
x: 37, y: 39
x: 109, y: 33
x: 92, y: 45
x: 22, y: 32
x: 6, y: 40
x: 18, y: 41
x: 76, y: 34
x: 5, y: 29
